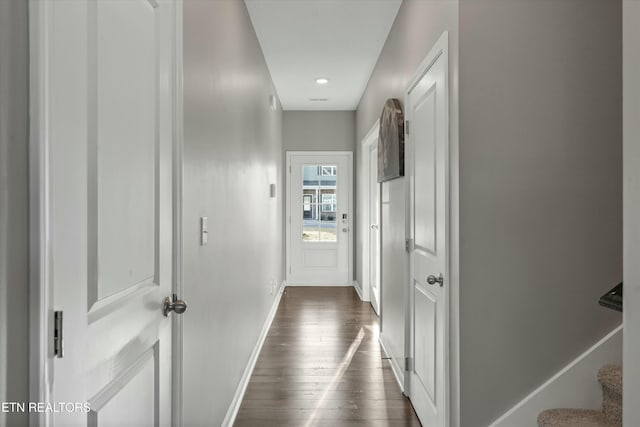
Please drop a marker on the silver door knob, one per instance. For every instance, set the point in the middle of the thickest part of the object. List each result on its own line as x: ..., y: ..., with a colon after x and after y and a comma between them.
x: 374, y: 226
x: 432, y: 280
x: 177, y: 305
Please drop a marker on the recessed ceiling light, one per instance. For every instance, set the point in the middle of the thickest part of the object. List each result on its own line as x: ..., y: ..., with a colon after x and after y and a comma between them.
x: 322, y: 80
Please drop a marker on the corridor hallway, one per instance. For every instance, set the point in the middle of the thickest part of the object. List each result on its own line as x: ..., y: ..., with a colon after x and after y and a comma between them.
x: 322, y: 365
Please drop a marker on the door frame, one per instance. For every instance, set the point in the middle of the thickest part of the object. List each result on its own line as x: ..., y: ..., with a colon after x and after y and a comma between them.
x: 287, y: 218
x: 439, y: 49
x: 39, y: 209
x: 177, y: 225
x: 40, y: 284
x: 370, y: 139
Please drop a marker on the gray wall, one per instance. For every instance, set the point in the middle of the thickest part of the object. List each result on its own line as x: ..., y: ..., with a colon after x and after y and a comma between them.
x: 319, y: 130
x: 418, y: 24
x: 631, y: 211
x: 539, y: 183
x: 540, y: 191
x: 233, y: 151
x: 14, y: 206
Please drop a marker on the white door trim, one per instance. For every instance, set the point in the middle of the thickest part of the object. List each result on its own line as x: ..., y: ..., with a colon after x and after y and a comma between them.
x: 440, y: 48
x: 178, y: 285
x: 39, y: 184
x: 289, y: 155
x: 365, y: 201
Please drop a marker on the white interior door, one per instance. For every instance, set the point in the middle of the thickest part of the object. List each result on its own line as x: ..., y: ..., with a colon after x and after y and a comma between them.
x: 427, y: 113
x: 109, y: 98
x: 319, y: 212
x: 374, y: 228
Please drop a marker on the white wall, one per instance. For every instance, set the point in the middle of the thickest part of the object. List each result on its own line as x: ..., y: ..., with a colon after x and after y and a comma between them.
x: 631, y: 78
x: 418, y: 25
x: 233, y: 151
x: 540, y: 191
x: 14, y: 207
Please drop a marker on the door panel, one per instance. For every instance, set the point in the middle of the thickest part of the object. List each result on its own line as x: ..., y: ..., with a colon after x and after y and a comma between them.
x: 134, y: 395
x: 427, y: 111
x: 122, y: 149
x: 319, y: 209
x: 425, y: 201
x: 110, y: 102
x: 123, y: 142
x: 425, y: 333
x: 320, y: 258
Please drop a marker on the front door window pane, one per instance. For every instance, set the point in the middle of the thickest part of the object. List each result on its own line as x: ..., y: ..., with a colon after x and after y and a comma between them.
x: 311, y: 230
x: 319, y: 203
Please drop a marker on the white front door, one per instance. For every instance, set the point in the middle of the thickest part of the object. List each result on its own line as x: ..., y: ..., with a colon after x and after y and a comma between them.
x: 374, y: 228
x: 428, y: 143
x: 107, y: 91
x: 319, y: 218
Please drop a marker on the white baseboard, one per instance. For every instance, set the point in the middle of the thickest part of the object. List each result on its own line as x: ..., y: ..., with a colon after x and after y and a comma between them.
x: 232, y: 412
x: 323, y: 284
x: 575, y: 386
x: 358, y: 289
x: 398, y: 371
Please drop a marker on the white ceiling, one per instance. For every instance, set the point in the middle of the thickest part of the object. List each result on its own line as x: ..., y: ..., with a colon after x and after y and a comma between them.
x: 306, y: 39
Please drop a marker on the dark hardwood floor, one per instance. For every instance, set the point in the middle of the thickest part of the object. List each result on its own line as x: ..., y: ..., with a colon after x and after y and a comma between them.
x: 322, y: 365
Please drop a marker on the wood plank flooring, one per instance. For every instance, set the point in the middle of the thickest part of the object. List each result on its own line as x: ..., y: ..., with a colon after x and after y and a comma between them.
x: 322, y: 365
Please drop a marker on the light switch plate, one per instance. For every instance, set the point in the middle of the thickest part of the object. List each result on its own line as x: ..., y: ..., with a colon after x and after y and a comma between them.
x: 204, y: 231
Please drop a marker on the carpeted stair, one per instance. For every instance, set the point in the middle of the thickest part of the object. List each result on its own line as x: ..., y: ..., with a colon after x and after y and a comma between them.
x: 610, y: 377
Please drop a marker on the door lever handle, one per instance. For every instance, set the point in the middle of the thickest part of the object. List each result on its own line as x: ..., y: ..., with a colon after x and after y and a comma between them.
x: 432, y: 280
x: 177, y: 305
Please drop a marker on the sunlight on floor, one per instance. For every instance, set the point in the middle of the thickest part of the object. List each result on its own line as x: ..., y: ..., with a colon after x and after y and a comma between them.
x: 344, y: 365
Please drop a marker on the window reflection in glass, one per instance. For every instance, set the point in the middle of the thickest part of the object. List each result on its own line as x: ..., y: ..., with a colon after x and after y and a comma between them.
x: 319, y: 203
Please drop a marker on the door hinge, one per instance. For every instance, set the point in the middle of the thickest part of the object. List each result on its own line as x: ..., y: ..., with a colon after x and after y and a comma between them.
x: 406, y: 127
x: 408, y: 245
x: 289, y: 168
x: 289, y: 219
x: 289, y: 269
x: 58, y: 344
x: 408, y: 364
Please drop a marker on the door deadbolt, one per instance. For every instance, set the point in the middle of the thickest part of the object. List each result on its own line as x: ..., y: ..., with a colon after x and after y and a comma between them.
x: 177, y: 305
